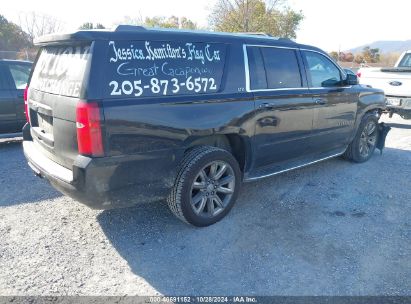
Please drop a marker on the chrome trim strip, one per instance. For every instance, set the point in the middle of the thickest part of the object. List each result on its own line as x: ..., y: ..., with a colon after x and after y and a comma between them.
x: 279, y: 89
x: 273, y: 46
x: 318, y: 88
x: 39, y: 105
x: 11, y: 135
x: 247, y: 69
x: 300, y: 166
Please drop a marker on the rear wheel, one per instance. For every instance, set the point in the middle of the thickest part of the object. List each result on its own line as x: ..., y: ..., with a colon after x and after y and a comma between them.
x: 365, y: 141
x: 206, y: 186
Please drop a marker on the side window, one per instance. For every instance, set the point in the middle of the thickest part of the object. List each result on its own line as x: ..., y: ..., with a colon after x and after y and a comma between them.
x: 321, y: 71
x: 405, y: 61
x: 20, y: 74
x: 282, y: 68
x: 258, y: 79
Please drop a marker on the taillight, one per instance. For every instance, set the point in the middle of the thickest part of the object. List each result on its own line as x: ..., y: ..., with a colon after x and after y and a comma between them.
x: 88, y: 124
x: 359, y: 74
x: 26, y: 104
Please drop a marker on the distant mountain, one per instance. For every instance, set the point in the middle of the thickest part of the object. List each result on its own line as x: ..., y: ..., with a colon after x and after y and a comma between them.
x: 386, y: 46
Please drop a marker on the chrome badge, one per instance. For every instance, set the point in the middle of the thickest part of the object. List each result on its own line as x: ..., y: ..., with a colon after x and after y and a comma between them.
x: 395, y: 83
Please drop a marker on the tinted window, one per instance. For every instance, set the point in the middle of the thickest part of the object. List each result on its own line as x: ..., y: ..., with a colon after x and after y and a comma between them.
x: 258, y: 79
x: 321, y: 71
x: 282, y: 68
x: 60, y: 70
x: 405, y: 61
x: 20, y: 74
x: 156, y: 68
x: 3, y: 78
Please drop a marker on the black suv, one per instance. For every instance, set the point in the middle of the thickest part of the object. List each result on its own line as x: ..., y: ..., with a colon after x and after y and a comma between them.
x: 14, y: 75
x: 136, y: 115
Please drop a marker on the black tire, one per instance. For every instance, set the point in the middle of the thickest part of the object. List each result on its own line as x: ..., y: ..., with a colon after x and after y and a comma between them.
x: 355, y: 150
x: 191, y: 184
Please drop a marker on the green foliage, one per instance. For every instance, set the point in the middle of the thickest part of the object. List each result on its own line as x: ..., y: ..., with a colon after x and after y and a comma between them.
x: 347, y: 57
x: 334, y: 55
x: 368, y: 55
x: 359, y: 59
x: 371, y: 55
x: 342, y: 56
x: 186, y: 23
x: 91, y: 26
x: 12, y: 37
x: 255, y: 16
x: 170, y: 22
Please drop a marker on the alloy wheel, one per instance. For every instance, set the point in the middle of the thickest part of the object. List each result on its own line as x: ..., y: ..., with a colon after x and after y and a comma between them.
x: 368, y: 139
x: 212, y: 189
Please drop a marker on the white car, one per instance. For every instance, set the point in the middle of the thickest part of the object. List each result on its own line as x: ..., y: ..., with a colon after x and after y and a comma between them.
x: 396, y: 83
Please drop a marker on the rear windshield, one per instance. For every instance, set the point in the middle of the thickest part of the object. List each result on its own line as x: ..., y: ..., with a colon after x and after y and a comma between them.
x: 405, y: 61
x: 60, y: 70
x: 156, y: 68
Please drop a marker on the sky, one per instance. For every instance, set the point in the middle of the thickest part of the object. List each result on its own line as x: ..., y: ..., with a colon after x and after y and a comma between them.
x: 328, y: 24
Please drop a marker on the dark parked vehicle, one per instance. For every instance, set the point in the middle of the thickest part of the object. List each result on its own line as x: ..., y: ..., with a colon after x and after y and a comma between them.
x: 136, y: 115
x: 14, y: 75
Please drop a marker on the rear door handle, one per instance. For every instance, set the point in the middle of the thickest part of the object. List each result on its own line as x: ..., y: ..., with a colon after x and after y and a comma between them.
x: 267, y: 106
x: 320, y: 101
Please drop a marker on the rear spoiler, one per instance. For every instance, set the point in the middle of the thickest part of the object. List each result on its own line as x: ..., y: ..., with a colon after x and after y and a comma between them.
x: 70, y: 38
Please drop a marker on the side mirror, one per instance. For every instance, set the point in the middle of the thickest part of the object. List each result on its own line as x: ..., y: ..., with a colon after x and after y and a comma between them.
x: 351, y: 79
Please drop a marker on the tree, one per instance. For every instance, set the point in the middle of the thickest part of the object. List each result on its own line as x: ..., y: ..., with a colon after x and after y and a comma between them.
x: 359, y: 59
x: 170, y: 22
x: 36, y: 25
x: 135, y: 20
x: 90, y: 26
x: 348, y: 57
x: 334, y: 55
x: 186, y: 23
x: 255, y: 16
x: 371, y: 55
x: 12, y: 37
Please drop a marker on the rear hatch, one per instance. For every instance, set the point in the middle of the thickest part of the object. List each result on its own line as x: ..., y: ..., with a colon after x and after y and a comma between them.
x: 57, y: 84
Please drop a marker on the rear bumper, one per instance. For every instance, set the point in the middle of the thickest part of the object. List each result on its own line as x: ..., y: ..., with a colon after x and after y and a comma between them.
x: 404, y: 105
x: 109, y: 182
x: 403, y: 109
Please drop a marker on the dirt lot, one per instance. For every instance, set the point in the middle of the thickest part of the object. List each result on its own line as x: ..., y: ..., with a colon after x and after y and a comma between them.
x: 334, y: 228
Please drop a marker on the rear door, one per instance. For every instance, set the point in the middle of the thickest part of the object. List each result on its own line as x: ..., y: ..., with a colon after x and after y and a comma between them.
x: 284, y: 107
x: 335, y: 104
x: 7, y: 106
x: 58, y: 82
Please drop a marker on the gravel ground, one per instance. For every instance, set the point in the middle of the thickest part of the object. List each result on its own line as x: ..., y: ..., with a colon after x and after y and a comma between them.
x: 333, y: 228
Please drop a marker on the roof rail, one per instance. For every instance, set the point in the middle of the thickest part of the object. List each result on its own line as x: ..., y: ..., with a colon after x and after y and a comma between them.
x: 121, y: 28
x: 266, y: 35
x: 286, y: 39
x: 254, y: 33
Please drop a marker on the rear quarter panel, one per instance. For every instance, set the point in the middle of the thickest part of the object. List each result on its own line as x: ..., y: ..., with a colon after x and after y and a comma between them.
x: 160, y: 123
